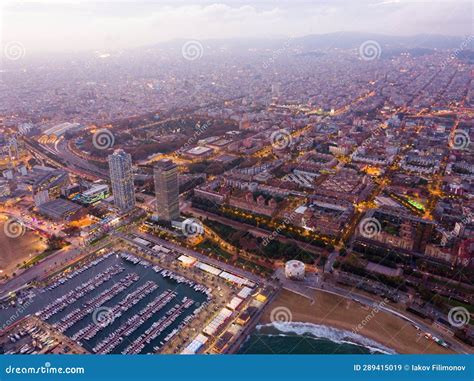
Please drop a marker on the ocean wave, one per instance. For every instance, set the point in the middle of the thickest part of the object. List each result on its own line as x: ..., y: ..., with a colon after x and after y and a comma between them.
x: 335, y: 335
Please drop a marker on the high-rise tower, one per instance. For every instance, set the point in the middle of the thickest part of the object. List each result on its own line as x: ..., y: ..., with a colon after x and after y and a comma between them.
x: 166, y: 190
x: 121, y: 177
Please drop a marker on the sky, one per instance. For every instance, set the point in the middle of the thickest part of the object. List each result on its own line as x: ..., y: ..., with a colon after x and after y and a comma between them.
x: 64, y: 25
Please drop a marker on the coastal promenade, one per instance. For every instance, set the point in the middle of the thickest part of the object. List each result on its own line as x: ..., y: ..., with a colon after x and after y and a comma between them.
x: 339, y: 308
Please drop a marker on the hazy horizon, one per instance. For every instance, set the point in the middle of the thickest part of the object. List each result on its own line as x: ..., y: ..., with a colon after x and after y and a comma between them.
x: 73, y: 25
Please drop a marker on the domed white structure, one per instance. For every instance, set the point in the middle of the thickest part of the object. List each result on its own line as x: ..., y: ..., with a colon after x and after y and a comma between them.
x: 294, y: 270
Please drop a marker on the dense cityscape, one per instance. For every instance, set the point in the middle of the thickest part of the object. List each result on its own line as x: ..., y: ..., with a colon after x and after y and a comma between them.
x: 202, y: 196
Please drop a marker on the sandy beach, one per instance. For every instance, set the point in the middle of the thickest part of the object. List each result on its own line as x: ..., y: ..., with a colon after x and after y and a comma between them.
x: 342, y: 313
x: 13, y: 251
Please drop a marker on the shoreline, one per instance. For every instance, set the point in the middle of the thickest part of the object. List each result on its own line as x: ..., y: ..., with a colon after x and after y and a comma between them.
x: 324, y: 332
x: 337, y: 312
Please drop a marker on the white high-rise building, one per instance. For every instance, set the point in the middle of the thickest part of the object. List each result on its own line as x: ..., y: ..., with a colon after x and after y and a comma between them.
x: 276, y: 90
x: 13, y: 151
x: 121, y: 178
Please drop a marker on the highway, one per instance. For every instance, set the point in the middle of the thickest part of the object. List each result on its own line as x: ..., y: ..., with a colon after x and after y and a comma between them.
x: 81, y: 165
x: 56, y: 159
x: 50, y: 263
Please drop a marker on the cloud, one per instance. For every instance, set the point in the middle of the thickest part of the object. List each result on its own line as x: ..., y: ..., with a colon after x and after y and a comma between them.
x: 88, y: 24
x: 385, y: 3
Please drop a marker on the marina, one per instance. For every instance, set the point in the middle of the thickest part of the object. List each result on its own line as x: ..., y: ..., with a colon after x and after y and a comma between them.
x: 158, y: 327
x: 133, y: 323
x: 72, y: 296
x: 138, y: 307
x: 76, y: 272
x: 129, y: 301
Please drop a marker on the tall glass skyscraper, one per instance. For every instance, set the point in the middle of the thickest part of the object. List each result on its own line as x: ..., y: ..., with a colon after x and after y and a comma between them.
x: 121, y: 177
x: 166, y: 190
